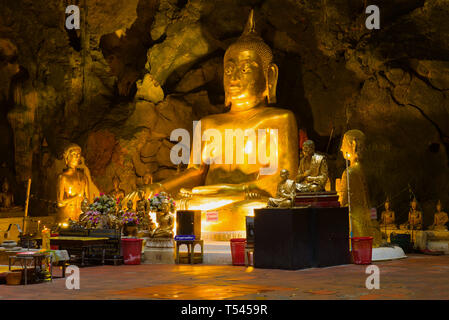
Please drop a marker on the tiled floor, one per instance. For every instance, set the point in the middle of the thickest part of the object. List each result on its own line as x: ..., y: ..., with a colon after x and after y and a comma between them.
x: 417, y: 277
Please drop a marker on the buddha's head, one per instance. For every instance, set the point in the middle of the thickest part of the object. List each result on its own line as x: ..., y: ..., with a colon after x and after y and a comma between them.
x: 165, y: 205
x: 439, y: 206
x: 352, y: 145
x: 414, y: 203
x: 284, y: 174
x: 85, y: 205
x: 129, y: 206
x: 250, y: 76
x: 308, y: 148
x: 387, y: 204
x: 72, y: 155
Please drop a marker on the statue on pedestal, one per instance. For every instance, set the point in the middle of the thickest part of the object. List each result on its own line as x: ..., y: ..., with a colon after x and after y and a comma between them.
x: 250, y: 80
x: 414, y: 221
x: 286, y: 192
x: 312, y: 172
x: 353, y: 189
x: 440, y: 219
x: 165, y: 221
x: 6, y: 196
x: 73, y: 186
x: 387, y: 220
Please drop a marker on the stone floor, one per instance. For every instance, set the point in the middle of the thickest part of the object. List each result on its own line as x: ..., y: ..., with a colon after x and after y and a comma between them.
x: 416, y: 277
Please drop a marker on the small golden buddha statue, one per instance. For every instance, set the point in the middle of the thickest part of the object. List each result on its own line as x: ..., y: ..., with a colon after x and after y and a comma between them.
x: 356, y: 191
x: 116, y: 192
x: 234, y: 190
x: 312, y: 172
x: 129, y: 206
x: 73, y: 186
x: 286, y: 192
x: 440, y: 219
x: 387, y: 219
x: 165, y: 222
x: 6, y: 196
x: 84, y: 209
x: 414, y: 221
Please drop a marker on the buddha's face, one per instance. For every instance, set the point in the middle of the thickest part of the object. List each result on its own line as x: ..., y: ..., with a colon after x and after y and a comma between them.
x: 244, y: 80
x: 130, y: 204
x: 74, y: 158
x: 413, y: 204
x: 346, y: 148
x: 438, y: 207
x: 387, y: 206
x: 147, y: 179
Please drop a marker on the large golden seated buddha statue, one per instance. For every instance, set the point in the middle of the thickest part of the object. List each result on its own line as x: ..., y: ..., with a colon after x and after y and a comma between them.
x: 234, y: 182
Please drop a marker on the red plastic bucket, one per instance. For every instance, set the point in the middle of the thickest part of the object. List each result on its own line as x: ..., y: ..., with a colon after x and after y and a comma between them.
x: 362, y: 249
x: 131, y: 250
x: 238, y: 251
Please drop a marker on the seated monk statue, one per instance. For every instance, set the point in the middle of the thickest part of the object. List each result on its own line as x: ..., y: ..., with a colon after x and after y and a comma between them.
x: 286, y: 192
x: 6, y: 196
x: 387, y: 219
x: 165, y: 222
x: 440, y: 219
x: 359, y: 208
x: 242, y: 178
x: 116, y: 192
x: 414, y: 221
x: 312, y: 172
x: 73, y: 186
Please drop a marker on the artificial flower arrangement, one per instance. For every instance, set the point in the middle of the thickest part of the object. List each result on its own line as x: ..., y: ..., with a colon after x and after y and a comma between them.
x: 156, y: 202
x: 103, y: 204
x: 101, y: 213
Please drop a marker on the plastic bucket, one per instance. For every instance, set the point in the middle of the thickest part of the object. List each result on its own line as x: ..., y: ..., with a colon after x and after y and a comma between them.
x: 131, y: 250
x: 238, y: 251
x: 362, y: 249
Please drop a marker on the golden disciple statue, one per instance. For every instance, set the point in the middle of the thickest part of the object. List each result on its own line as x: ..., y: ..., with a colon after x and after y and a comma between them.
x: 73, y: 186
x: 286, y: 192
x: 312, y: 172
x: 353, y: 190
x: 165, y: 222
x: 440, y: 219
x: 241, y: 179
x: 387, y: 219
x: 414, y: 221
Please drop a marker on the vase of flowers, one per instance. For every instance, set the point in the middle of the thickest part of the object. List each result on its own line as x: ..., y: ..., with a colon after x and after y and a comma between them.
x: 101, y: 213
x: 130, y: 221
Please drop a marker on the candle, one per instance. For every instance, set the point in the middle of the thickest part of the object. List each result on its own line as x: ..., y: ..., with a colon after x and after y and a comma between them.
x: 38, y: 226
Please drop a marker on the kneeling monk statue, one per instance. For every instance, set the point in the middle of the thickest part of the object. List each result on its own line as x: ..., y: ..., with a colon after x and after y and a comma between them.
x: 234, y: 178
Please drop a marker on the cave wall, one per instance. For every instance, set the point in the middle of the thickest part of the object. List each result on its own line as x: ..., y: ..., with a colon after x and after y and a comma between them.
x: 138, y: 69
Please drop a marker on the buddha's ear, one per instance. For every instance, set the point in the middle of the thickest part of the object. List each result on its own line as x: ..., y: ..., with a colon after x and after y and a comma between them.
x: 272, y: 81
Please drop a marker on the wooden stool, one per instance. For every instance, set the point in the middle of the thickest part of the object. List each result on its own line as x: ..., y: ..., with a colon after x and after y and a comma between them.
x: 191, y: 256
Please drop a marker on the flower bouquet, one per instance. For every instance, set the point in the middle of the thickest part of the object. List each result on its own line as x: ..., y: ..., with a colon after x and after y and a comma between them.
x: 130, y: 219
x: 103, y: 204
x: 158, y: 198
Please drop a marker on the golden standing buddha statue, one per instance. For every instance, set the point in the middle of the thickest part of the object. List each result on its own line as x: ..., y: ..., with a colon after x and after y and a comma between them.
x: 357, y: 198
x: 312, y: 171
x: 440, y: 219
x: 73, y: 186
x: 286, y: 192
x: 234, y: 190
x: 387, y: 219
